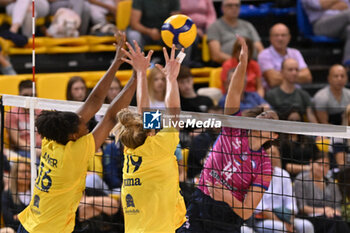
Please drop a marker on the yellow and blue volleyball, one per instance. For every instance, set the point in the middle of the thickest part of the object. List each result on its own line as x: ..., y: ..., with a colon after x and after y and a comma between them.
x: 179, y: 30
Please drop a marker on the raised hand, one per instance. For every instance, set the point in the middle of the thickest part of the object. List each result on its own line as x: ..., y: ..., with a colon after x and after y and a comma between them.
x: 136, y: 58
x: 120, y: 39
x: 243, y: 56
x: 172, y: 64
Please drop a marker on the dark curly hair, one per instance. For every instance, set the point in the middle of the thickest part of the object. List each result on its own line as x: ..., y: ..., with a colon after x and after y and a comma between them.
x: 57, y: 125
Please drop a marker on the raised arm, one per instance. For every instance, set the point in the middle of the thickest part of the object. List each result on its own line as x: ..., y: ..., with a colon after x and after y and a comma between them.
x: 99, y: 93
x: 140, y: 63
x: 102, y: 130
x: 171, y: 71
x: 243, y: 209
x: 236, y: 86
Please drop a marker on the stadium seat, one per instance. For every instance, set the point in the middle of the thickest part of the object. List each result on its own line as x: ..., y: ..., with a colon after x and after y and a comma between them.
x: 9, y: 83
x: 201, y: 75
x: 123, y: 14
x: 101, y: 43
x: 52, y: 86
x: 153, y: 47
x: 205, y: 49
x: 95, y: 164
x: 305, y: 27
x: 123, y: 21
x: 124, y: 76
x: 67, y: 45
x: 185, y: 152
x: 5, y: 45
x: 283, y: 11
x: 40, y: 47
x: 215, y: 78
x: 248, y: 11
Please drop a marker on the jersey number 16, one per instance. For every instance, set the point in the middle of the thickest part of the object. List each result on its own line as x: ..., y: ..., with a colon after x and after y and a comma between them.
x: 44, y: 181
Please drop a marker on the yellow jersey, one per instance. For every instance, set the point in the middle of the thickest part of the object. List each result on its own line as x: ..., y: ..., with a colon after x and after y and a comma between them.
x: 151, y: 196
x: 59, y: 186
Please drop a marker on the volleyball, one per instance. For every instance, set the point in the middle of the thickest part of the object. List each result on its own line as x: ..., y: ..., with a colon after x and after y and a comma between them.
x: 179, y: 30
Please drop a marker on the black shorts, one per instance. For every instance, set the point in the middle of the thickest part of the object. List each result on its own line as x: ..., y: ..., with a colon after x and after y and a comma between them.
x: 205, y: 215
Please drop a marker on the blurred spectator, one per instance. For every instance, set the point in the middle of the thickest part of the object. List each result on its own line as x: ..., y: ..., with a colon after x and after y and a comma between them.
x: 17, y: 124
x: 344, y: 184
x: 147, y: 17
x: 65, y: 23
x: 271, y: 58
x: 101, y: 8
x: 253, y: 74
x: 331, y: 101
x: 296, y: 149
x: 190, y: 101
x: 21, y: 13
x: 277, y: 209
x: 18, y: 196
x: 6, y: 173
x: 81, y: 7
x: 113, y: 160
x: 6, y: 66
x: 286, y: 95
x: 249, y: 100
x: 222, y: 33
x: 319, y: 197
x: 331, y: 18
x: 156, y: 88
x: 199, y: 144
x: 202, y: 12
x: 96, y: 212
x: 341, y: 147
x: 114, y: 90
x: 76, y: 89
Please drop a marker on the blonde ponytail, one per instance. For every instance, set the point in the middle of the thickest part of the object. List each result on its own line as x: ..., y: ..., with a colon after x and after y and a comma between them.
x: 129, y: 129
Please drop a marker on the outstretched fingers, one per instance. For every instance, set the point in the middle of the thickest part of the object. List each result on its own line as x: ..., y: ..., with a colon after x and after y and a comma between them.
x: 126, y: 53
x: 137, y: 47
x: 172, y: 54
x: 130, y: 48
x: 149, y: 55
x: 120, y: 39
x: 166, y: 56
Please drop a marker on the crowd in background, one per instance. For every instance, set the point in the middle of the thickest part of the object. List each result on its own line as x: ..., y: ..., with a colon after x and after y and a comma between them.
x: 309, y: 189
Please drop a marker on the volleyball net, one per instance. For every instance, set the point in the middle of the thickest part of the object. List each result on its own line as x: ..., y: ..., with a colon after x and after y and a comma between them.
x: 307, y: 186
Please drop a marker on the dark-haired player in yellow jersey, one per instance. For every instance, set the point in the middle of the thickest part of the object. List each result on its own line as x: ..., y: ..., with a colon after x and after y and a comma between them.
x: 66, y: 148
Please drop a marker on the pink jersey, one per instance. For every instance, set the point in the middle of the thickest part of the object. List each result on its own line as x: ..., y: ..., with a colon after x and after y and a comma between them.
x: 234, y: 165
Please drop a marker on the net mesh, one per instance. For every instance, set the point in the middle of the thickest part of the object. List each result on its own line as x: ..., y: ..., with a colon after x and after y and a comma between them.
x: 299, y: 182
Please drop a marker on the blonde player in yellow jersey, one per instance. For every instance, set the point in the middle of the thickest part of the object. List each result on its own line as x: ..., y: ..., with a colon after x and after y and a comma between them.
x: 151, y: 196
x: 66, y: 149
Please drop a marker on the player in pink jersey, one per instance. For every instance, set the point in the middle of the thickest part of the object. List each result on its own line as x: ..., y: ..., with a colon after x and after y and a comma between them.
x: 237, y: 171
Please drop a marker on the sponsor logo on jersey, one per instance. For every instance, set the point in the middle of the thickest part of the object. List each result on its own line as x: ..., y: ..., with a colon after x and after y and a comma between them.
x: 36, y: 201
x: 132, y: 182
x: 130, y: 205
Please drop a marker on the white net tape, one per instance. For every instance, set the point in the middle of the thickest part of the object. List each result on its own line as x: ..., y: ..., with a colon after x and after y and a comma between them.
x: 311, y: 129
